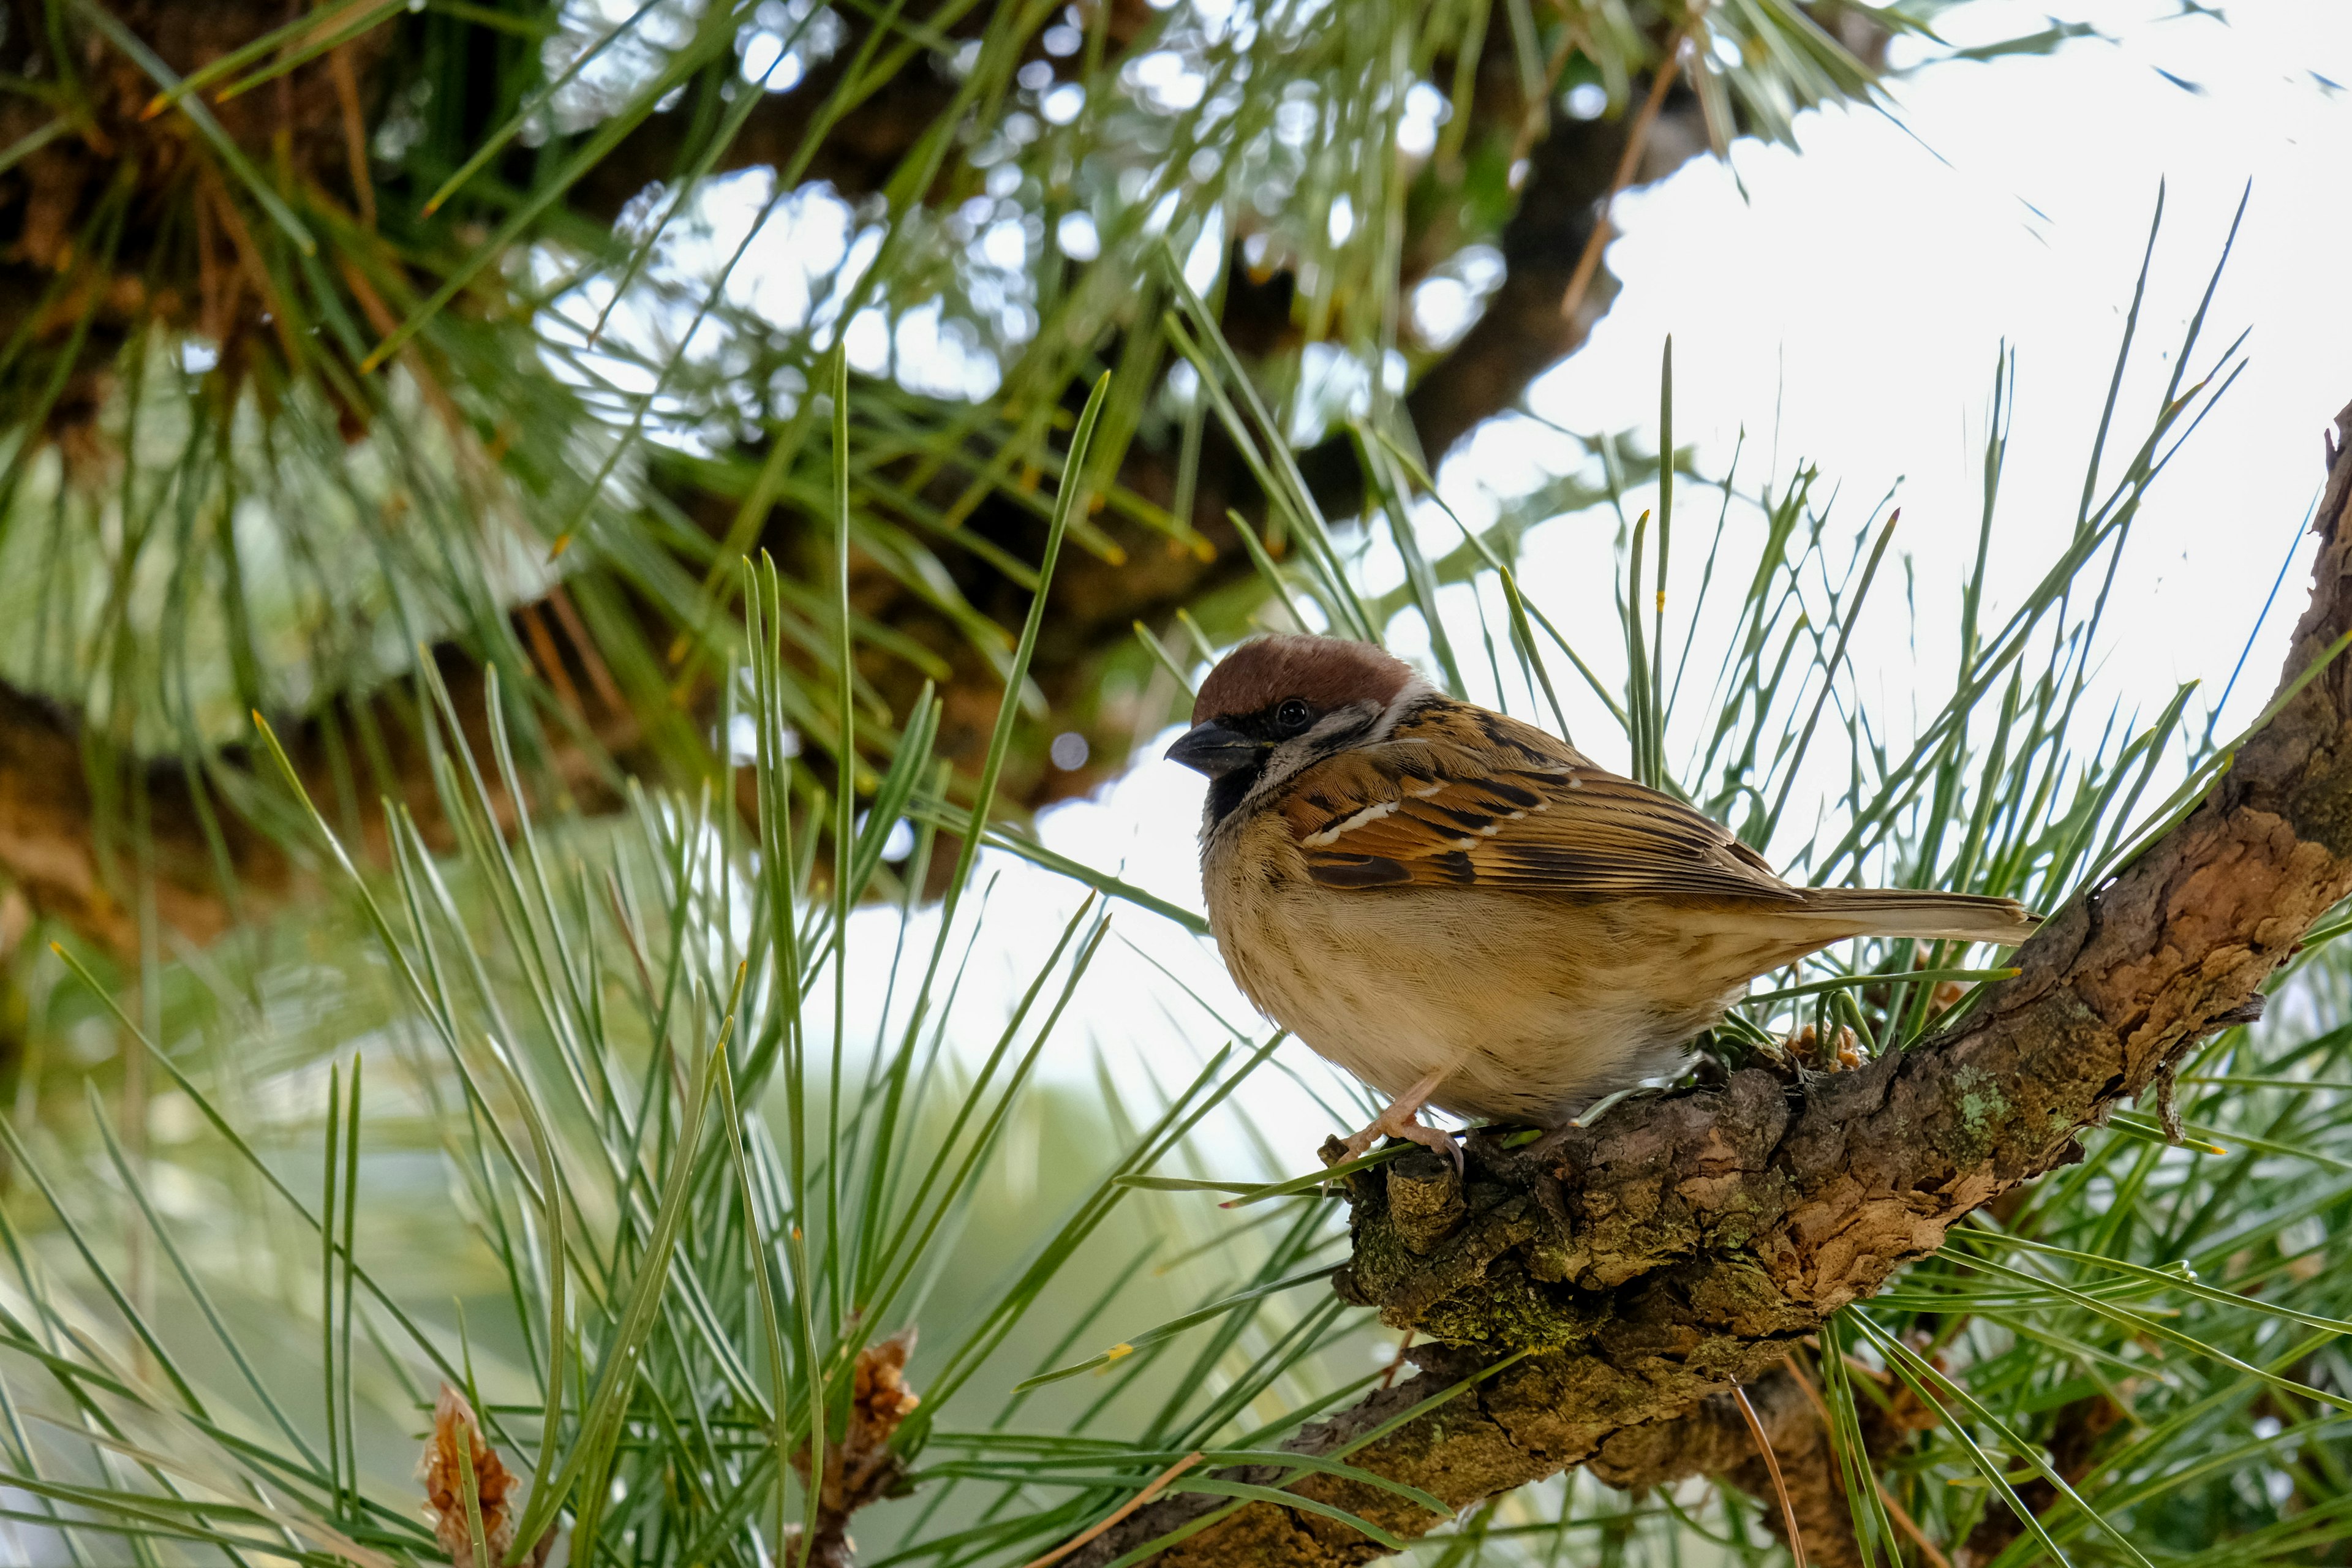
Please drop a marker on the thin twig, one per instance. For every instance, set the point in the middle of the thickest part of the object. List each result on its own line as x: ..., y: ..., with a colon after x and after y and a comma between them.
x: 1637, y: 139
x: 1137, y: 1501
x: 1397, y: 1361
x: 1772, y: 1465
x: 549, y: 660
x: 345, y: 77
x: 599, y: 675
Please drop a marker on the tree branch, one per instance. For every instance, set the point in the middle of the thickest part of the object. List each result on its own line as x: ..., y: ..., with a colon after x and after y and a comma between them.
x: 1690, y: 1242
x: 58, y: 842
x: 71, y: 809
x: 1096, y: 601
x: 1525, y: 331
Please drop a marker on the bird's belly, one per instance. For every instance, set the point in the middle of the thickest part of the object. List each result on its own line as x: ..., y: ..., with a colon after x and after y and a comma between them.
x: 1531, y: 1008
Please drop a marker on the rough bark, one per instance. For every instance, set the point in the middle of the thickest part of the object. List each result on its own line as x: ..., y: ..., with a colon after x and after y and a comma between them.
x: 1689, y: 1243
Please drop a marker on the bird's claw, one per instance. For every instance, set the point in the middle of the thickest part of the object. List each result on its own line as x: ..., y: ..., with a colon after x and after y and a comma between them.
x: 1413, y: 1130
x: 1431, y: 1138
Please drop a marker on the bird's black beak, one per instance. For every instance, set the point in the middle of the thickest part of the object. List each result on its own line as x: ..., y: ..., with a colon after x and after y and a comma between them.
x: 1214, y: 750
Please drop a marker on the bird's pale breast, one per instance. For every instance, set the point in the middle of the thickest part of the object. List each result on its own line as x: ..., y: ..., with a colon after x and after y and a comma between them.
x: 1533, y: 1007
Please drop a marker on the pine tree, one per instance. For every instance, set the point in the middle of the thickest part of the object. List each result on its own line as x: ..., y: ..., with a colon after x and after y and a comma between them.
x: 540, y: 528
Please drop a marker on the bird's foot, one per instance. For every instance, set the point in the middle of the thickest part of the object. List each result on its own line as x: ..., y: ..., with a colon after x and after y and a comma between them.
x: 1402, y: 1119
x: 1407, y: 1125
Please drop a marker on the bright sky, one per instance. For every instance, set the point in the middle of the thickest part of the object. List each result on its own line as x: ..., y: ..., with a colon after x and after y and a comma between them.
x: 1865, y: 286
x: 1848, y: 308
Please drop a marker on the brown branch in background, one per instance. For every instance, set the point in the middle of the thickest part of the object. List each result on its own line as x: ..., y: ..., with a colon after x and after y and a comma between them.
x: 1806, y: 1504
x: 1588, y: 260
x: 1524, y: 333
x: 1894, y: 1508
x: 355, y: 132
x: 1691, y: 1241
x: 50, y: 815
x: 2073, y: 1445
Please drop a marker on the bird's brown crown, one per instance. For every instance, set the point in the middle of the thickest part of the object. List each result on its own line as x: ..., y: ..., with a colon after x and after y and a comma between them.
x: 1329, y: 672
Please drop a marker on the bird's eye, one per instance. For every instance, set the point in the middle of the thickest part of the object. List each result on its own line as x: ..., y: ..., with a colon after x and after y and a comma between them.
x: 1293, y: 716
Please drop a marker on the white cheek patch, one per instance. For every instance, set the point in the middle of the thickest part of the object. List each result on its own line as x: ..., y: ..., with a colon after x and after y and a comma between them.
x: 1331, y: 835
x: 1287, y: 760
x: 1353, y: 722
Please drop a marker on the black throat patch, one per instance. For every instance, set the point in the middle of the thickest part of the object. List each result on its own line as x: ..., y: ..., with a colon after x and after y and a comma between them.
x: 1226, y: 793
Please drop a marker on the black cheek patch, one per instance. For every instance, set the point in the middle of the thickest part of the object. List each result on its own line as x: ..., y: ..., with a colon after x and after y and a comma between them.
x: 1422, y: 713
x: 1357, y: 871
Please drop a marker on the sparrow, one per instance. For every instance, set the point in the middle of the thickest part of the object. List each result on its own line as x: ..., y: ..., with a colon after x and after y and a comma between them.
x: 1468, y: 913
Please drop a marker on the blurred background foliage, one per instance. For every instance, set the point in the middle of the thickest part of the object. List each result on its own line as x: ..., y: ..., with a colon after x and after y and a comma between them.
x: 417, y: 377
x: 335, y: 333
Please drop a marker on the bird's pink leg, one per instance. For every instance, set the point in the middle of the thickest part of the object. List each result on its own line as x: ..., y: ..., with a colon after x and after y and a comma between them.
x: 1402, y: 1119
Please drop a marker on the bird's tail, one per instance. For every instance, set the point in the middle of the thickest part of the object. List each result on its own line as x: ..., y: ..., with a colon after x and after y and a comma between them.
x: 1899, y: 911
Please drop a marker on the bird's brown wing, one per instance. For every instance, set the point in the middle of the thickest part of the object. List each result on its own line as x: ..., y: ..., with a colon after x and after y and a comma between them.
x: 1461, y: 798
